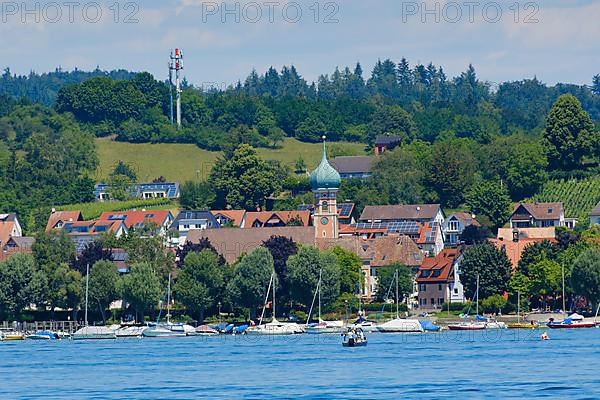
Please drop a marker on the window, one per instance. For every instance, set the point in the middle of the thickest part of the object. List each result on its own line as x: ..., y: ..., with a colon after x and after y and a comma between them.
x: 436, y: 273
x: 440, y: 288
x: 440, y: 301
x: 186, y: 226
x: 453, y: 226
x: 425, y: 274
x: 149, y: 216
x: 433, y: 302
x: 455, y: 291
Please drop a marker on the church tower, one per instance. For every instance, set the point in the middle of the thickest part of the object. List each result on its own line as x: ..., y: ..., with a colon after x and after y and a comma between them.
x: 325, y: 183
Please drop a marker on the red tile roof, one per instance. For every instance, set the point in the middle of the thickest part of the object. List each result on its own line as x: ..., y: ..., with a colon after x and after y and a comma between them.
x: 440, y: 268
x: 63, y: 216
x: 237, y: 216
x: 513, y: 249
x: 137, y: 218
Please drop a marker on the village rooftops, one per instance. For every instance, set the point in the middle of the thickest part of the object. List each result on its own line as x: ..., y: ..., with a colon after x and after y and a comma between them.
x: 137, y: 219
x: 412, y: 212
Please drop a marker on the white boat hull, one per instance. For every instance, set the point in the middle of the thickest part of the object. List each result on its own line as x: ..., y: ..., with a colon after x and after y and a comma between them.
x: 276, y: 328
x: 94, y: 333
x: 401, y: 326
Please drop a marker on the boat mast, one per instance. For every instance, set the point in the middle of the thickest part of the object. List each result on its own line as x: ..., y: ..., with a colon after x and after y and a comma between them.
x: 262, y: 315
x: 397, y: 311
x: 169, y: 300
x: 477, y: 303
x: 519, y: 307
x: 563, y: 292
x: 273, y: 275
x: 319, y: 289
x: 87, y: 291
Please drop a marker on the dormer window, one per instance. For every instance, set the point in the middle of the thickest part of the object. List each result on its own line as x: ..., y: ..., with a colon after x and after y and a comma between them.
x: 550, y: 211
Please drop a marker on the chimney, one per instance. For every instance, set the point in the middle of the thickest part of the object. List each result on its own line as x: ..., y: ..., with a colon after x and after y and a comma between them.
x: 53, y: 210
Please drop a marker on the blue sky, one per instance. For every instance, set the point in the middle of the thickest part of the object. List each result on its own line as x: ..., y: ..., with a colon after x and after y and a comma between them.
x: 559, y: 44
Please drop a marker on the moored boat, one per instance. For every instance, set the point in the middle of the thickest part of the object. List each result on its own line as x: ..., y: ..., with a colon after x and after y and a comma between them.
x: 400, y: 325
x: 43, y: 335
x: 572, y: 322
x: 94, y: 333
x: 204, y: 330
x: 10, y: 336
x: 467, y: 326
x: 161, y: 331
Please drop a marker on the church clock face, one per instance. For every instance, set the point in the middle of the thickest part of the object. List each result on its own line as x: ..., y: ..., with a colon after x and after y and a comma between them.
x: 324, y: 221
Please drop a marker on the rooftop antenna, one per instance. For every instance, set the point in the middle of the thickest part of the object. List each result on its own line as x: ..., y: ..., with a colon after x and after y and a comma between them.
x: 176, y: 65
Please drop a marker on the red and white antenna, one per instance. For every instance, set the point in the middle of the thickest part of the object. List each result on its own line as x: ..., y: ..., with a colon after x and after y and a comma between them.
x: 176, y: 65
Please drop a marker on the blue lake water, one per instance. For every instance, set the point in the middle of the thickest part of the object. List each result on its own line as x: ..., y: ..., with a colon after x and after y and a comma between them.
x: 468, y: 365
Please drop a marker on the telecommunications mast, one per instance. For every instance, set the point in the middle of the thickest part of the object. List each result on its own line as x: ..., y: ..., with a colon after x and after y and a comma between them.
x: 176, y: 65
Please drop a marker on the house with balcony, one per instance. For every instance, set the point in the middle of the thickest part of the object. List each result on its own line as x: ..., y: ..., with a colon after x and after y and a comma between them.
x: 454, y: 226
x: 538, y: 215
x: 155, y: 190
x: 438, y: 280
x: 192, y: 219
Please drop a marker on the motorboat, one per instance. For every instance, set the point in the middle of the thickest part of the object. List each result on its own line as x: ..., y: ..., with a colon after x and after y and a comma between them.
x: 429, y: 326
x: 574, y: 321
x: 94, y: 333
x: 43, y: 335
x: 354, y: 337
x: 276, y: 328
x: 129, y: 331
x: 364, y: 324
x: 240, y: 330
x: 204, y: 330
x: 162, y: 330
x: 467, y: 326
x: 10, y: 336
x: 325, y: 327
x: 398, y: 325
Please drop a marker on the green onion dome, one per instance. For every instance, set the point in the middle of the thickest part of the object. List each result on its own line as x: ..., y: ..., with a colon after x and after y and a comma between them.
x: 325, y: 176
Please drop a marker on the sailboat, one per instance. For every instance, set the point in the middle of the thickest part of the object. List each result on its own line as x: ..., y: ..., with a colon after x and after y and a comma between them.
x: 362, y: 322
x: 519, y: 324
x: 274, y: 327
x: 164, y: 330
x: 575, y: 320
x: 400, y: 324
x: 477, y: 325
x: 92, y: 332
x: 322, y: 326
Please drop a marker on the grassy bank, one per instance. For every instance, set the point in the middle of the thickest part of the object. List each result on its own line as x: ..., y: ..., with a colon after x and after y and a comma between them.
x: 181, y: 162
